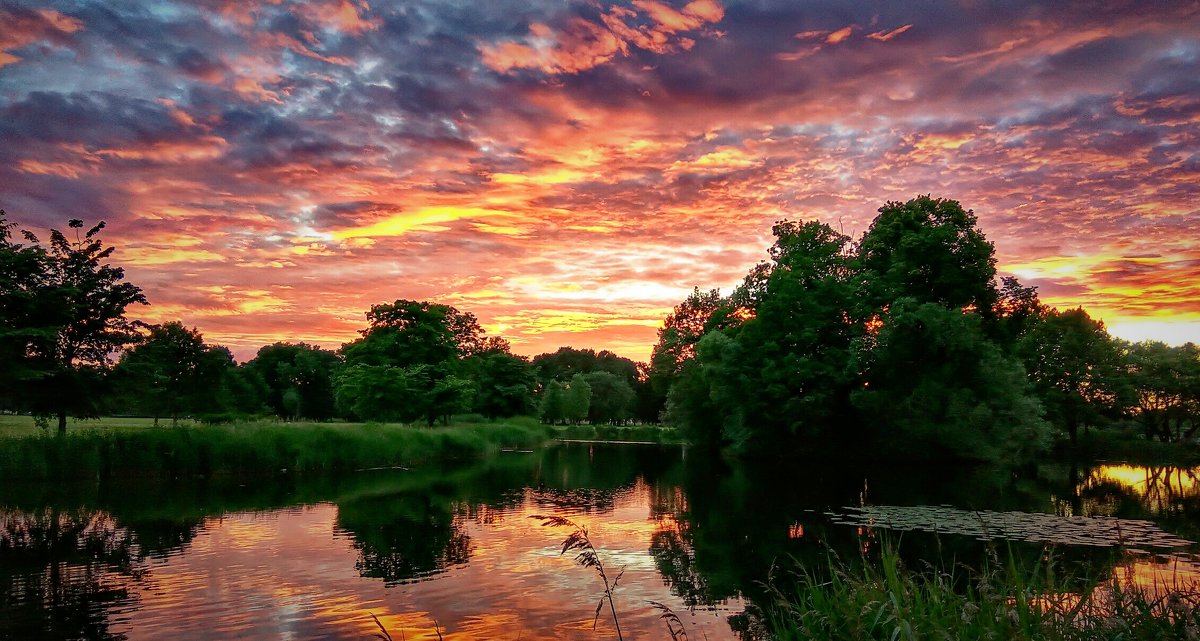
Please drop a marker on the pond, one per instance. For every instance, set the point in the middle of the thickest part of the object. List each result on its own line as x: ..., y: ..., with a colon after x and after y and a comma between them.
x: 454, y: 549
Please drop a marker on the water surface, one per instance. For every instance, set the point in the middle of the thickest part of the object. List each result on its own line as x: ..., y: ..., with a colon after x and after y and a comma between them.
x: 455, y: 547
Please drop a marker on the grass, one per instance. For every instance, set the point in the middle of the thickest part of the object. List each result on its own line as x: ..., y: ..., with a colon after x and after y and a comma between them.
x: 629, y: 433
x: 886, y: 601
x: 134, y: 448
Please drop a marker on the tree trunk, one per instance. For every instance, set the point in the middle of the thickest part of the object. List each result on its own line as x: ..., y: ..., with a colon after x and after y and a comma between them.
x: 62, y: 422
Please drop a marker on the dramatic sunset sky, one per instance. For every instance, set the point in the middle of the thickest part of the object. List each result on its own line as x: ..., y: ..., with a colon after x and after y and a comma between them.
x: 568, y: 170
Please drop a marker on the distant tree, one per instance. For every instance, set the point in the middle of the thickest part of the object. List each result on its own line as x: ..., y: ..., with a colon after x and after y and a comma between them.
x: 428, y: 342
x: 70, y: 319
x: 931, y: 250
x: 408, y: 332
x: 552, y: 408
x: 382, y: 392
x: 577, y: 399
x: 1165, y: 385
x: 612, y: 398
x: 566, y: 362
x: 1075, y: 368
x: 164, y: 371
x: 504, y: 384
x: 298, y: 379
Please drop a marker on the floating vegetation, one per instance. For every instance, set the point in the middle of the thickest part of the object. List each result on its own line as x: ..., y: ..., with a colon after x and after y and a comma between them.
x: 985, y: 525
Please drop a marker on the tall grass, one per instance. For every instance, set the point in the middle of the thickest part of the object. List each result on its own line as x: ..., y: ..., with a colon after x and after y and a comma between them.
x: 252, y: 449
x: 887, y: 601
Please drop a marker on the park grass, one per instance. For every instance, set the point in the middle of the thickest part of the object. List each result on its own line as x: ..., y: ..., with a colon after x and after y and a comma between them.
x: 134, y: 448
x: 885, y: 600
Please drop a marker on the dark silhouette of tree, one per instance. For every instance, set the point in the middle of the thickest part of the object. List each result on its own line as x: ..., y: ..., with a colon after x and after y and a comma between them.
x: 73, y: 319
x: 503, y: 382
x: 1165, y: 386
x: 1075, y: 368
x: 163, y: 369
x: 935, y: 387
x: 425, y: 343
x: 931, y: 250
x: 298, y: 378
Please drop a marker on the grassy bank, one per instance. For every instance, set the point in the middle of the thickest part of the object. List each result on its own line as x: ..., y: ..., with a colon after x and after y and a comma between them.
x: 252, y: 449
x: 629, y: 433
x: 887, y: 601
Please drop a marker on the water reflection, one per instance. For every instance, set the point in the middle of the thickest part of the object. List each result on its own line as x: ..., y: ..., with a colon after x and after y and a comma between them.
x: 306, y: 558
x: 62, y: 573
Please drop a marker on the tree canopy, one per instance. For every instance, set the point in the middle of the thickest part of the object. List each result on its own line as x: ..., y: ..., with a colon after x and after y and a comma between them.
x: 64, y: 318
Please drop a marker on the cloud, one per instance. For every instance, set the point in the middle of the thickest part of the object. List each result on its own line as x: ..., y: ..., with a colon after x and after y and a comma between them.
x: 569, y: 171
x: 584, y: 43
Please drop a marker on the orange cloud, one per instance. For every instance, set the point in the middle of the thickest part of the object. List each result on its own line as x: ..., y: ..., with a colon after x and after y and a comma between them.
x: 22, y: 28
x: 584, y: 44
x: 839, y: 35
x: 884, y: 36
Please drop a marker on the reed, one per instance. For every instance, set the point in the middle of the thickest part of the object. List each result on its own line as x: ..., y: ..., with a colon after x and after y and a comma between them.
x: 252, y: 449
x: 885, y: 600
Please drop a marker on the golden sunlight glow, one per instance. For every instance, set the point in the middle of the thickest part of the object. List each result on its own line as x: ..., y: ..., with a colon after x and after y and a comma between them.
x: 422, y: 219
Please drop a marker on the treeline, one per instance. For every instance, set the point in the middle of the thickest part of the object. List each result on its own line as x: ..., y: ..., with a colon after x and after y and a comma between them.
x: 63, y: 313
x: 905, y: 344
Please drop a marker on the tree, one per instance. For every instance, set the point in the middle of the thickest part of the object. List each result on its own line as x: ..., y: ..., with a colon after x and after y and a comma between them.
x: 931, y: 250
x: 1017, y: 309
x: 23, y: 318
x: 577, y: 399
x: 782, y: 382
x: 426, y: 343
x: 682, y: 329
x: 382, y: 393
x: 74, y: 320
x: 164, y: 371
x: 612, y: 398
x: 1165, y: 383
x: 298, y: 379
x: 552, y: 409
x: 935, y: 387
x: 504, y: 384
x: 1075, y: 368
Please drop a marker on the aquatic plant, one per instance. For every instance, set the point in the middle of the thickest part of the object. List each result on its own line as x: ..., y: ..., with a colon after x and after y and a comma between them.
x: 579, y: 541
x: 887, y: 601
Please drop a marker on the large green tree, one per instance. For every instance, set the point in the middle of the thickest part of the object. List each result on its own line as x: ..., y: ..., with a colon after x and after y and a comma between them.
x: 931, y: 250
x: 935, y: 387
x: 1075, y: 368
x: 298, y: 378
x: 783, y: 383
x: 164, y: 373
x: 68, y: 319
x: 418, y: 348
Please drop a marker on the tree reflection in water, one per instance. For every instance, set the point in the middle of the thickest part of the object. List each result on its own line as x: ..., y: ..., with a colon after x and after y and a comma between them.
x: 56, y: 573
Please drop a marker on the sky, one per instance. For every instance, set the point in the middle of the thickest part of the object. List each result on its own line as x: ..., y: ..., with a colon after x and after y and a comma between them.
x: 568, y: 171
